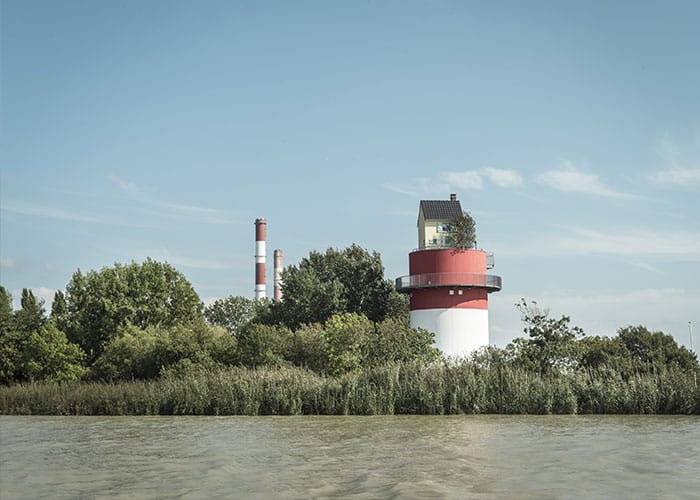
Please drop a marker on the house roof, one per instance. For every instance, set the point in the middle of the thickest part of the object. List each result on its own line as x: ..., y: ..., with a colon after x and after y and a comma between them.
x: 440, y: 209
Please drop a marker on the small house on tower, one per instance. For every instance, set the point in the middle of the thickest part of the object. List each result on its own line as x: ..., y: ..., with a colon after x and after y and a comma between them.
x: 447, y: 281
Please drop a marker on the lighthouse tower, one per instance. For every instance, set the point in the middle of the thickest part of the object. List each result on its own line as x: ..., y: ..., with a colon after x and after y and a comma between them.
x: 449, y: 287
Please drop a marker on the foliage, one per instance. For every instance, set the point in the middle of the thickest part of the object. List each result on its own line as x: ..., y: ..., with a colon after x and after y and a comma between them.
x: 551, y: 347
x: 59, y: 310
x: 233, y: 313
x: 264, y: 345
x: 32, y: 348
x: 395, y: 341
x: 47, y: 355
x: 463, y: 232
x: 9, y: 339
x: 146, y: 353
x: 32, y: 315
x: 338, y: 281
x: 309, y: 348
x: 347, y: 336
x: 652, y: 351
x: 143, y: 295
x: 6, y: 314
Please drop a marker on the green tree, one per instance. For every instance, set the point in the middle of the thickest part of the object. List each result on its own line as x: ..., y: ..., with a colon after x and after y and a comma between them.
x: 309, y: 348
x: 598, y: 353
x: 59, y: 310
x: 335, y: 282
x: 551, y: 346
x: 9, y: 339
x: 347, y: 337
x: 32, y: 314
x: 395, y: 341
x: 264, y: 345
x: 148, y: 294
x: 463, y: 232
x: 48, y: 356
x: 655, y: 351
x: 6, y: 315
x: 233, y: 313
x: 146, y: 353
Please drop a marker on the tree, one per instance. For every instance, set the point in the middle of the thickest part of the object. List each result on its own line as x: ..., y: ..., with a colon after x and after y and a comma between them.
x: 48, y: 356
x: 264, y: 345
x: 551, y: 346
x: 6, y: 316
x: 335, y: 282
x: 233, y: 313
x: 59, y: 310
x: 148, y: 294
x: 463, y: 232
x: 655, y: 351
x: 9, y: 353
x: 309, y: 348
x: 32, y: 315
x: 395, y: 341
x: 604, y: 352
x: 146, y: 353
x: 347, y: 336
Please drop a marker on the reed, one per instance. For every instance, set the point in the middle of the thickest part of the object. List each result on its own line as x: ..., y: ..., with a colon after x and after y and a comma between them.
x: 408, y: 388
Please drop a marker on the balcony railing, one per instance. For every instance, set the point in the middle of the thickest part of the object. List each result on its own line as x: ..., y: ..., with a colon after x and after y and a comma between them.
x: 433, y: 280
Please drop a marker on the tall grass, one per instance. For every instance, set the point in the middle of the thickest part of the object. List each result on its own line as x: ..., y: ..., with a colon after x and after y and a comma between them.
x: 392, y: 389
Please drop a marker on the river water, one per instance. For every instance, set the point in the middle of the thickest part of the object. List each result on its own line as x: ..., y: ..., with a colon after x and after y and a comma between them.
x: 350, y: 457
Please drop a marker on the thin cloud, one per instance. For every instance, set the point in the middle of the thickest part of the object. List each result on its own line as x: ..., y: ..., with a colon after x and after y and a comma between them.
x: 49, y: 212
x: 467, y: 179
x: 204, y: 215
x: 164, y: 254
x: 682, y: 246
x: 681, y: 164
x: 66, y: 215
x: 570, y: 179
x: 503, y: 178
x: 8, y: 263
x: 420, y: 186
x: 447, y: 181
x: 123, y: 184
x: 678, y: 176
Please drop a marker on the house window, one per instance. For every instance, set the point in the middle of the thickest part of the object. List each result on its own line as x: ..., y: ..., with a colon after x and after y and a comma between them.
x: 444, y: 228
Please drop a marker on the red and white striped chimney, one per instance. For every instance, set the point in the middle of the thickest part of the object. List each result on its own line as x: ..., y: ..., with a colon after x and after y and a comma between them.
x: 260, y: 237
x: 278, y: 275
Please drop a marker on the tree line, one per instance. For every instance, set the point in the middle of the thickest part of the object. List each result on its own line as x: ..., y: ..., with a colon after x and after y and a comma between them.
x: 338, y: 316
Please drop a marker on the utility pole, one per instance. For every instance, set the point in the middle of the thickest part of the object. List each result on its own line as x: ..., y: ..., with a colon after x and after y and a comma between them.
x: 690, y: 333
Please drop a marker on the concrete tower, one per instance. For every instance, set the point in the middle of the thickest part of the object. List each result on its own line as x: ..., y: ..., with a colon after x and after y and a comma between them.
x: 278, y: 275
x: 448, y: 287
x: 260, y: 255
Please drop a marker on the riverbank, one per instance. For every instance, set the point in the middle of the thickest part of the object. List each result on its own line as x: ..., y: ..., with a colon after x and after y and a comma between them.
x: 392, y: 389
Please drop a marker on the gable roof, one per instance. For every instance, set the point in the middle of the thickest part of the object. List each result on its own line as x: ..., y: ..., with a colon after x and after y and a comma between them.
x: 440, y: 209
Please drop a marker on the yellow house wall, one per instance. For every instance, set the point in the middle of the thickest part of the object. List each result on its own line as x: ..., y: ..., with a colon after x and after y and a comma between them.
x: 427, y: 230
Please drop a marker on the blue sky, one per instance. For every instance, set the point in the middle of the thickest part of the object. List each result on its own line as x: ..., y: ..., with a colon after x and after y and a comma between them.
x: 570, y: 131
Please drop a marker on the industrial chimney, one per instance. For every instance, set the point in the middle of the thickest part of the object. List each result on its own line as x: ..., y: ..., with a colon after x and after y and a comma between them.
x: 260, y: 237
x: 278, y: 275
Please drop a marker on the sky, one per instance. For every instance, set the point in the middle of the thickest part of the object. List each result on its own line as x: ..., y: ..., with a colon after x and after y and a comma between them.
x: 569, y: 130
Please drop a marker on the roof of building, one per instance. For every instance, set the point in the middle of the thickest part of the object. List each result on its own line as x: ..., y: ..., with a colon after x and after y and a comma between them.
x: 441, y: 209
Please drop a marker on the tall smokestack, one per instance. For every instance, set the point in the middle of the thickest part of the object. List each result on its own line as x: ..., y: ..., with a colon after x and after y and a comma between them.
x: 260, y: 237
x: 278, y: 275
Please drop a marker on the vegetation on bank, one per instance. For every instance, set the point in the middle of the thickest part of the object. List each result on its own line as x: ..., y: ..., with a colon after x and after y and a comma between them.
x: 136, y: 339
x: 402, y: 388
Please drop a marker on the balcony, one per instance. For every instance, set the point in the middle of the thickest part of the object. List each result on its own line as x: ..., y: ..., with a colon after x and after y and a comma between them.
x: 406, y: 284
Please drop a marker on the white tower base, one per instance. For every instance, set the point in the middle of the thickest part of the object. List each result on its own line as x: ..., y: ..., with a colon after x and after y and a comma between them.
x: 461, y: 331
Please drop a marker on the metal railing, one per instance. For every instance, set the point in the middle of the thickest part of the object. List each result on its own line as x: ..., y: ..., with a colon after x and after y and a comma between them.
x: 432, y: 280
